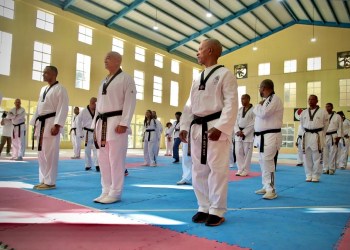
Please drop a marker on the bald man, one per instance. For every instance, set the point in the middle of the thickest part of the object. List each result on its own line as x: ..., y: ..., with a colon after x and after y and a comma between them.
x: 18, y: 118
x: 114, y: 111
x: 48, y: 120
x: 84, y: 131
x: 208, y: 120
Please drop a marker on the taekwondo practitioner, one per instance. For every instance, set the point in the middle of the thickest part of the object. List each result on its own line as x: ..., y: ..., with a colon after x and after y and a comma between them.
x: 168, y: 140
x: 48, y: 121
x: 114, y: 111
x: 84, y: 130
x: 333, y: 135
x: 244, y: 136
x: 207, y: 120
x: 175, y: 128
x: 6, y: 136
x: 150, y: 139
x: 268, y: 136
x: 18, y: 117
x: 314, y: 122
x: 160, y: 130
x: 343, y: 146
x: 299, y: 144
x: 76, y: 140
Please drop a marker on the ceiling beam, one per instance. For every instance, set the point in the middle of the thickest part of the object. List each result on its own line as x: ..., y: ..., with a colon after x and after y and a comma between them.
x: 289, y: 10
x: 67, y: 3
x: 218, y: 24
x: 304, y: 10
x: 314, y: 5
x: 123, y: 12
x: 332, y: 11
x: 346, y: 4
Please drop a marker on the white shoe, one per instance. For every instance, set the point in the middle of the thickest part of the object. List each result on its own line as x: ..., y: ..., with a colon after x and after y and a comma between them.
x: 331, y: 172
x: 19, y: 158
x: 97, y: 200
x: 270, y: 196
x: 315, y: 179
x: 153, y: 165
x: 181, y: 182
x: 261, y: 191
x: 243, y: 174
x: 145, y: 164
x: 108, y: 200
x: 308, y: 179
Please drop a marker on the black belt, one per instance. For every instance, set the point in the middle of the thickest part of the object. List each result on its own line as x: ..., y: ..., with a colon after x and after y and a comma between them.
x: 104, y: 117
x: 262, y: 133
x: 42, y: 119
x: 313, y: 131
x: 331, y: 133
x: 241, y: 129
x: 149, y: 134
x: 87, y: 134
x: 19, y: 129
x: 204, y: 122
x: 73, y: 129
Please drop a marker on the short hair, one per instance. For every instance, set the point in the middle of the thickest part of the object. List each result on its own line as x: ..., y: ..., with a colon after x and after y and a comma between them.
x: 314, y: 96
x: 330, y: 104
x: 246, y: 95
x: 341, y: 113
x: 168, y: 123
x: 93, y: 99
x: 53, y: 68
x: 178, y: 113
x: 216, y: 45
x: 267, y: 83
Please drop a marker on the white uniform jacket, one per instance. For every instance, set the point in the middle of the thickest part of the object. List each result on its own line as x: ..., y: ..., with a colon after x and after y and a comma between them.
x: 121, y: 95
x: 17, y: 117
x: 175, y: 128
x: 84, y: 120
x: 154, y: 134
x: 56, y: 100
x: 319, y: 121
x: 245, y: 121
x: 220, y: 94
x: 335, y: 125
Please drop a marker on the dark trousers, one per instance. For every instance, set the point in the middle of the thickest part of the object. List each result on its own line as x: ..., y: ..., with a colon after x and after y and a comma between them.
x: 5, y: 139
x: 177, y: 142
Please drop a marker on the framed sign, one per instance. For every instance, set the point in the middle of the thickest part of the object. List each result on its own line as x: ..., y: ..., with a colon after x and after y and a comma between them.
x: 297, y: 113
x: 343, y: 60
x: 241, y: 71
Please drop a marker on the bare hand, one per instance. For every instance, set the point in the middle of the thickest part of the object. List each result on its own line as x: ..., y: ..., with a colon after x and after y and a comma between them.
x: 183, y: 136
x: 121, y: 129
x: 214, y: 134
x: 55, y: 129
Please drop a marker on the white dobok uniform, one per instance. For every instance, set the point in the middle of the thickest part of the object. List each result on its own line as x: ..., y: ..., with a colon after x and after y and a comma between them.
x: 313, y: 140
x: 84, y: 130
x: 335, y: 129
x: 343, y: 146
x: 18, y: 117
x: 268, y: 138
x: 76, y: 140
x: 121, y: 95
x: 55, y: 101
x: 150, y: 143
x: 300, y: 155
x: 168, y: 141
x: 160, y: 131
x: 186, y: 164
x: 218, y: 94
x: 244, y: 145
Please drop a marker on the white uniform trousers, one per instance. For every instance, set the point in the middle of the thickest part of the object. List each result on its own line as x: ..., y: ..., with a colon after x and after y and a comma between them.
x: 19, y: 143
x: 89, y: 160
x: 76, y: 142
x: 48, y: 159
x: 343, y: 151
x: 112, y: 165
x: 210, y: 181
x: 329, y: 154
x: 150, y: 152
x: 169, y: 146
x: 272, y: 143
x: 244, y: 151
x: 300, y: 154
x: 312, y: 163
x: 186, y: 163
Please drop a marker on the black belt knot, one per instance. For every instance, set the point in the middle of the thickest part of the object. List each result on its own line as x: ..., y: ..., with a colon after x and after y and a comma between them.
x: 103, y: 117
x: 313, y: 131
x: 262, y: 133
x: 19, y: 129
x: 204, y: 122
x: 149, y: 134
x: 42, y: 119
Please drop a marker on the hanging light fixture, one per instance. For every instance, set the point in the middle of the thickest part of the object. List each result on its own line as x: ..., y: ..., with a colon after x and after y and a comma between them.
x: 155, y: 26
x: 254, y: 47
x: 208, y: 12
x: 313, y: 38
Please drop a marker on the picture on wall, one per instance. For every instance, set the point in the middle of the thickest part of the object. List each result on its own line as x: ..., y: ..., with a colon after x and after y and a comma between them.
x: 343, y: 60
x: 241, y: 71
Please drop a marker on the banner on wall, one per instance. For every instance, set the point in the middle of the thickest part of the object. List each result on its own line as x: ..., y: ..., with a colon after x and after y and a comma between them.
x: 241, y: 71
x: 297, y: 113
